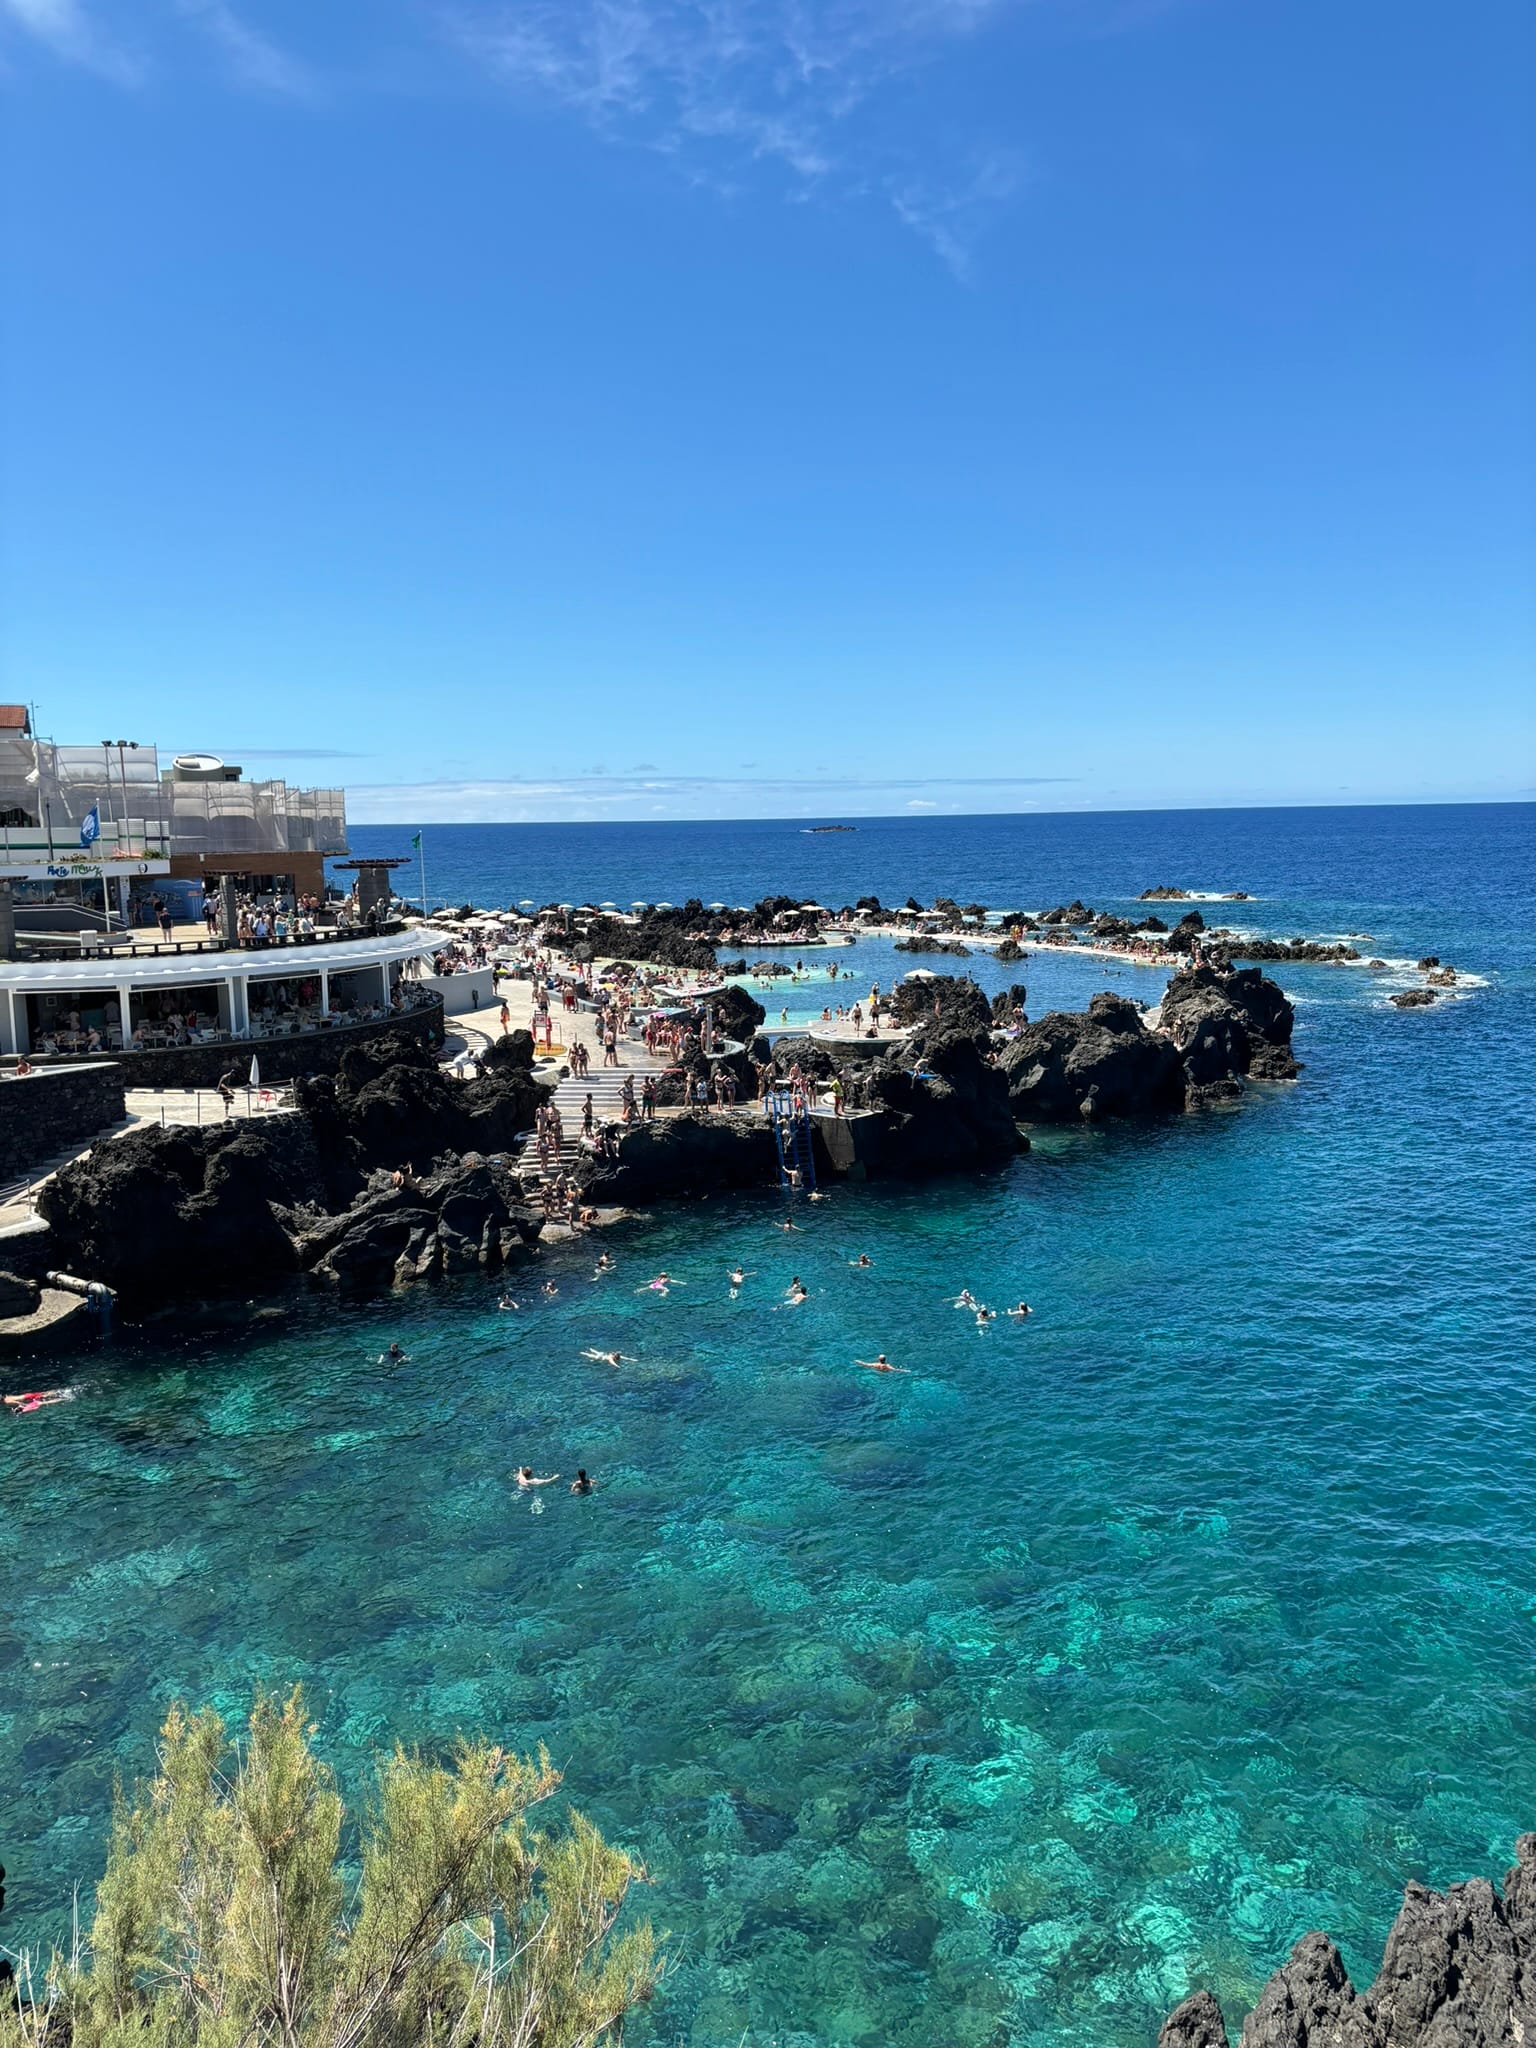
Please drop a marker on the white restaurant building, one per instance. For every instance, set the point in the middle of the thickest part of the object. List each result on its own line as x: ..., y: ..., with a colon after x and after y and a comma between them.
x: 116, y: 1001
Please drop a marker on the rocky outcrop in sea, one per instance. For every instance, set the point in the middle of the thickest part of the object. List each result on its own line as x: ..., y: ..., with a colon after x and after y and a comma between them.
x: 1459, y: 1971
x: 390, y: 1171
x: 1214, y: 1030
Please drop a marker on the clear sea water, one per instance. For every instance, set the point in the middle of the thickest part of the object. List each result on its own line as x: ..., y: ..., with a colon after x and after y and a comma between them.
x: 1000, y: 1703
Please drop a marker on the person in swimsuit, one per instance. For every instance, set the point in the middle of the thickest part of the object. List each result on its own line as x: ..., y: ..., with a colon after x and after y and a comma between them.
x: 610, y: 1357
x: 985, y: 1316
x: 1023, y: 1309
x: 880, y: 1363
x: 525, y: 1477
x: 28, y: 1404
x: 965, y: 1299
x: 862, y: 1260
x: 581, y: 1483
x: 739, y: 1274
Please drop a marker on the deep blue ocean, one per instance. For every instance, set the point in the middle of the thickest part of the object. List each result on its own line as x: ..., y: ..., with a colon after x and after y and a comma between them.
x: 999, y: 1704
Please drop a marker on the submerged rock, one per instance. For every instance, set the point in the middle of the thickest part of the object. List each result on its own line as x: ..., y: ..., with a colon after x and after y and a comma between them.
x: 1458, y: 1971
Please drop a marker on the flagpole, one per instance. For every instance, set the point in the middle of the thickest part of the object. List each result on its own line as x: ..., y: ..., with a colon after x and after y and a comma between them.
x: 422, y: 853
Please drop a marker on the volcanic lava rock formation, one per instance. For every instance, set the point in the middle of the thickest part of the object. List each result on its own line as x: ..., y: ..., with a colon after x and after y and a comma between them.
x: 1459, y: 1971
x: 234, y: 1208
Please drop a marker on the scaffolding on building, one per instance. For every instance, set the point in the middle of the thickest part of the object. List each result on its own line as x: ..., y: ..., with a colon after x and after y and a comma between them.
x: 47, y: 792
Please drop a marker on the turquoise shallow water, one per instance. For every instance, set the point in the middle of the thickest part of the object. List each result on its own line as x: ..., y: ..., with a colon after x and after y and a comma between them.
x: 997, y: 1703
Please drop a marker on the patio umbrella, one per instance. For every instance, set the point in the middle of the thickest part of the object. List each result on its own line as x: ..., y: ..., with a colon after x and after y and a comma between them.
x: 813, y: 906
x: 717, y: 906
x: 640, y: 904
x: 664, y: 906
x: 526, y: 903
x: 608, y: 906
x: 567, y: 908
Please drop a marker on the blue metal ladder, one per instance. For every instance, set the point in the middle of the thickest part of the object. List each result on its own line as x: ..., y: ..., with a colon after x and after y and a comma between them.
x: 792, y: 1129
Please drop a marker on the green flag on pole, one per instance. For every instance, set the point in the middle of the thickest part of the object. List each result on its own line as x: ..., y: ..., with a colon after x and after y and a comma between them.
x: 416, y: 843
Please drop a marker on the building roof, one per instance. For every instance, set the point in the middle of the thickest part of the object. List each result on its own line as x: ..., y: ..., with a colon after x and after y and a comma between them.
x: 184, y: 970
x: 13, y: 718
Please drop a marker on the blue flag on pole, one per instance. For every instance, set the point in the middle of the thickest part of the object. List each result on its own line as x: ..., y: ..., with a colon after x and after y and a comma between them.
x: 90, y: 826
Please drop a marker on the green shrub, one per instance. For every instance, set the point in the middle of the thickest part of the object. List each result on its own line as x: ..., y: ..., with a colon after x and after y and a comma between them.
x: 224, y: 1920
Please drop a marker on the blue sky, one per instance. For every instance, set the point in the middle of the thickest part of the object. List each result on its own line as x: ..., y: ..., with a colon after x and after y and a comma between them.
x: 714, y: 407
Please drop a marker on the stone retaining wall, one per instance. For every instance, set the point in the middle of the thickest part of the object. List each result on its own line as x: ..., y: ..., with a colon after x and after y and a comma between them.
x: 44, y: 1114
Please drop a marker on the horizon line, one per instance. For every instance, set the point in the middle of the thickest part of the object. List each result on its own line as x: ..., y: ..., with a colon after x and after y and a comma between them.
x: 934, y: 814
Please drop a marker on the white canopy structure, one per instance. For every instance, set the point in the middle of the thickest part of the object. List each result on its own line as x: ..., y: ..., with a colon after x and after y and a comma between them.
x: 131, y: 981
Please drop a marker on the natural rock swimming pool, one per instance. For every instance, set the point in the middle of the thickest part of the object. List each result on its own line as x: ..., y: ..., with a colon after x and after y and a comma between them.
x: 1102, y: 1656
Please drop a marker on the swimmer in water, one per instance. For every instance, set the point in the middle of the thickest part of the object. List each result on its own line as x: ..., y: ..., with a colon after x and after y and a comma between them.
x: 393, y: 1356
x: 604, y: 1264
x: 863, y: 1260
x: 786, y: 1225
x: 659, y: 1285
x: 525, y: 1477
x: 965, y: 1299
x: 581, y: 1483
x: 506, y: 1302
x: 739, y: 1276
x: 550, y: 1287
x: 985, y: 1316
x: 1023, y: 1309
x: 880, y: 1363
x: 610, y: 1358
x: 28, y: 1404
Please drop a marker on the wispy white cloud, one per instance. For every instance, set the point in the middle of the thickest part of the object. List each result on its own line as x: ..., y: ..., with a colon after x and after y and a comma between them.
x: 73, y: 32
x: 804, y: 93
x: 513, y: 799
x: 73, y: 35
x: 952, y: 216
x: 725, y: 85
x: 251, y: 58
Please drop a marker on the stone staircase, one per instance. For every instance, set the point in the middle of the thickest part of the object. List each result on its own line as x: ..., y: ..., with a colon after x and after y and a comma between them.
x: 603, y: 1085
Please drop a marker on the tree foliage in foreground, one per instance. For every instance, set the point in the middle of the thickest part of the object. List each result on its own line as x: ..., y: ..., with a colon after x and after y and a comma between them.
x: 224, y: 1919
